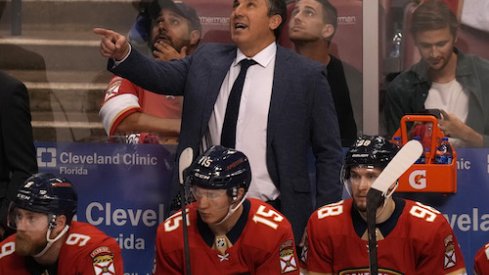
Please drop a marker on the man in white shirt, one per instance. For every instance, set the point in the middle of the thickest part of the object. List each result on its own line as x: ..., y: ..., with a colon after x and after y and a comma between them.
x: 285, y: 112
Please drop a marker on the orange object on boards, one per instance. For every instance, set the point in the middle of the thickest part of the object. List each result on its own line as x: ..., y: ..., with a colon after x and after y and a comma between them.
x: 430, y: 176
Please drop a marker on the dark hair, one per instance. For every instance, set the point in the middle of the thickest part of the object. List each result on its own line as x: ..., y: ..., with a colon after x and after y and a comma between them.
x: 330, y: 15
x: 433, y: 15
x: 278, y: 7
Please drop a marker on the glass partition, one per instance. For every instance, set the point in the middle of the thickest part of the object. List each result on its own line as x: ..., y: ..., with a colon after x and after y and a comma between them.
x: 50, y: 46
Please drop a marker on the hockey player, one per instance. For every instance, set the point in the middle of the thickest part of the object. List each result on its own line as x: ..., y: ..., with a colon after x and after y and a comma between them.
x: 412, y: 238
x: 228, y: 233
x: 481, y: 261
x: 47, y: 241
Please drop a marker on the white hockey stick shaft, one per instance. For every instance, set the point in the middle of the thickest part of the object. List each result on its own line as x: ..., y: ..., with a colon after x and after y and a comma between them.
x: 185, y: 160
x: 401, y: 162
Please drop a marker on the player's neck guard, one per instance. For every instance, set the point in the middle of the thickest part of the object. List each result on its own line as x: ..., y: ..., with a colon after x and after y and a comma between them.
x: 231, y: 211
x: 51, y: 241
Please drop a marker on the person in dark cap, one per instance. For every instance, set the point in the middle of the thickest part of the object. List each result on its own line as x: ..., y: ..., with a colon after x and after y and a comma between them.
x: 143, y: 116
x: 140, y: 32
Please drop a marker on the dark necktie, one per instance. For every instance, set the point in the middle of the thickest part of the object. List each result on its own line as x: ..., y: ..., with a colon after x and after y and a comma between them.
x: 228, y: 135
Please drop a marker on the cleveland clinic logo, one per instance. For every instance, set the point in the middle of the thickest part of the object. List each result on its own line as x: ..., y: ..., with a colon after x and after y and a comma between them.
x: 46, y: 157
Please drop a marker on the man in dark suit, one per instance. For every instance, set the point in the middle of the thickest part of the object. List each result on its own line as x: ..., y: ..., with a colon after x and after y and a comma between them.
x: 286, y: 106
x: 17, y: 153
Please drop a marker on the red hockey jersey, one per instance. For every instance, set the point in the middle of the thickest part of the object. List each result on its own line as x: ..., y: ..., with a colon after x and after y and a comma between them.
x: 417, y: 240
x: 86, y: 250
x: 262, y: 243
x: 481, y: 261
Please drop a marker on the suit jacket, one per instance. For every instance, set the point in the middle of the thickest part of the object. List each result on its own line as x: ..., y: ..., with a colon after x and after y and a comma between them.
x: 301, y: 117
x: 17, y: 153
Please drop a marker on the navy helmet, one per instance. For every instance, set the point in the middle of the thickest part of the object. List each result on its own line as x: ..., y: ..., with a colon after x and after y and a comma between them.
x: 372, y: 151
x: 46, y: 193
x: 369, y: 152
x: 221, y: 168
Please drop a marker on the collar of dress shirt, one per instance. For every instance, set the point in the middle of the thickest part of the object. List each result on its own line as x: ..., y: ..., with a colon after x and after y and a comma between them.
x: 263, y: 58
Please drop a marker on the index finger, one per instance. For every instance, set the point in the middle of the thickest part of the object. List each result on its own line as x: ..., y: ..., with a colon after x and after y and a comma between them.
x: 103, y: 32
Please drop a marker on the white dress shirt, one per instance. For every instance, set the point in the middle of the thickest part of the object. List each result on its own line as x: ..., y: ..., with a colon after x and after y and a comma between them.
x: 251, y: 128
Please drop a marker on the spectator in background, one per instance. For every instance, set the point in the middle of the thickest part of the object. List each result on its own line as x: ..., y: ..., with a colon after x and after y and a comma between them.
x: 227, y: 233
x: 311, y: 29
x: 286, y: 108
x: 17, y: 152
x: 129, y: 108
x: 412, y: 238
x: 444, y: 79
x: 47, y: 240
x: 481, y: 261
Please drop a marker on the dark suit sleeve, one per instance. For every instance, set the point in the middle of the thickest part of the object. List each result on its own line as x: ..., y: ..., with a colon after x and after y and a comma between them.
x: 326, y: 145
x: 20, y: 158
x: 162, y: 77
